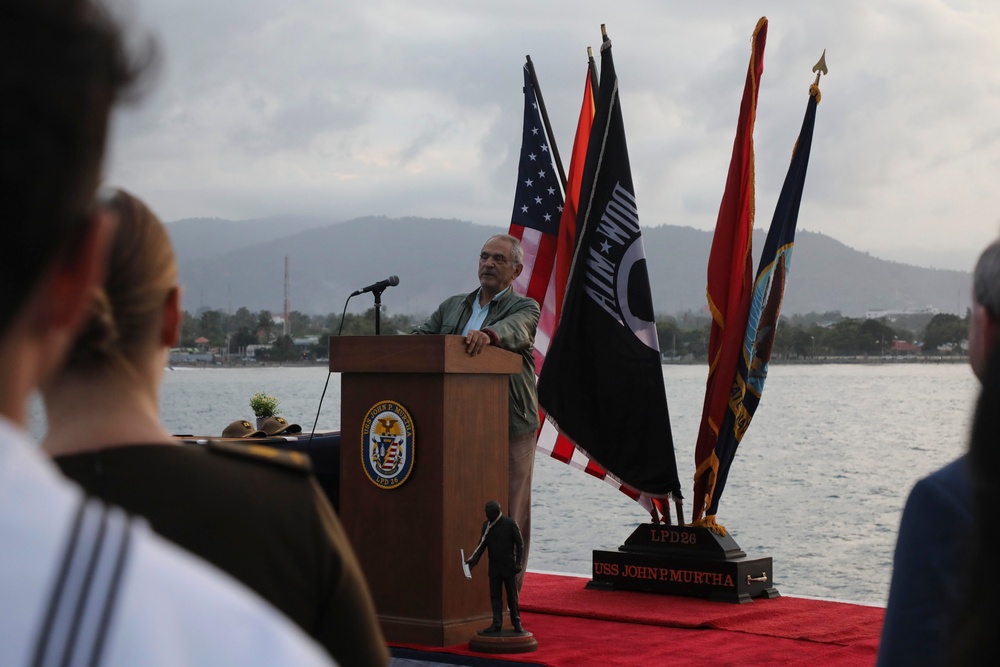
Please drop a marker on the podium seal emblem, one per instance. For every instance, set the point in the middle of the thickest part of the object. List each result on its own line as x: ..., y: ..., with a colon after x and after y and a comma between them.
x: 387, y: 444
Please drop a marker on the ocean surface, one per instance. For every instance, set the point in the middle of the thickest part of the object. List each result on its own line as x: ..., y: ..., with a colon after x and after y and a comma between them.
x: 818, y: 483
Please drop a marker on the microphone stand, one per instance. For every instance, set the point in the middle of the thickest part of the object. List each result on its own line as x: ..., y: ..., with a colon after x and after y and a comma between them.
x: 378, y: 332
x: 378, y: 310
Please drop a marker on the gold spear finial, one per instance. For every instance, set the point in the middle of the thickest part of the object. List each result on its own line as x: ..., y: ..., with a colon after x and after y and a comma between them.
x: 820, y: 67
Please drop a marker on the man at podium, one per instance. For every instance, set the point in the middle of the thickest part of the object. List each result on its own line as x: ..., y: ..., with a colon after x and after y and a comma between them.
x: 494, y: 314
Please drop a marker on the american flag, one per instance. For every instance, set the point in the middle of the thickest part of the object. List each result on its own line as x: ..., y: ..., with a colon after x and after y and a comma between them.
x: 538, y: 206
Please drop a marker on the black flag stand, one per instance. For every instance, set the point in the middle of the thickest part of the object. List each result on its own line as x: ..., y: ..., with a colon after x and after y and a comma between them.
x: 692, y: 561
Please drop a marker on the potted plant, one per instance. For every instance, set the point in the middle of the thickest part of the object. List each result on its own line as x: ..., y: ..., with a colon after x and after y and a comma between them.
x: 263, y: 406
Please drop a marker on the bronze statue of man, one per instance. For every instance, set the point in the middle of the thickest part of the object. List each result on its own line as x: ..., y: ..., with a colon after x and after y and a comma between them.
x: 501, y: 537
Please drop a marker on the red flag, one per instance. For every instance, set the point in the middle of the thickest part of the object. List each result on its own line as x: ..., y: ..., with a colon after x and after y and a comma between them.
x: 550, y: 440
x: 730, y: 280
x: 567, y: 224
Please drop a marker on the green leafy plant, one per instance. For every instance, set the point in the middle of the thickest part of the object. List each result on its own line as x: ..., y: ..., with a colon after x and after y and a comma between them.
x: 264, y: 405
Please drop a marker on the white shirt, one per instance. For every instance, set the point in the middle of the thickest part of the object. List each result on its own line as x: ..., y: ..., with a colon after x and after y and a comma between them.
x: 171, y: 608
x: 479, y: 313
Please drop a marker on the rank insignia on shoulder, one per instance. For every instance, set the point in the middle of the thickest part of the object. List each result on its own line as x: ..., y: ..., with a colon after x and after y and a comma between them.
x: 262, y: 453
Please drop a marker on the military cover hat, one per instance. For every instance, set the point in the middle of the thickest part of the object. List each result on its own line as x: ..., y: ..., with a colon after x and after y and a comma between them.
x: 279, y: 426
x: 241, y: 428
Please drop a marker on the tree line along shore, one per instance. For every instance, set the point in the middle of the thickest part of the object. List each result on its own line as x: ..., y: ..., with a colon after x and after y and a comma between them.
x: 213, y: 336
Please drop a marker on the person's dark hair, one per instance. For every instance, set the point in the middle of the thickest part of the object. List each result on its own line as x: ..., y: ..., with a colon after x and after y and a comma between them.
x: 125, y: 314
x: 986, y: 279
x: 63, y: 65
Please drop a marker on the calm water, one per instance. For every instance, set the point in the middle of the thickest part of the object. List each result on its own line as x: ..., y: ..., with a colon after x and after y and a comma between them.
x: 818, y: 483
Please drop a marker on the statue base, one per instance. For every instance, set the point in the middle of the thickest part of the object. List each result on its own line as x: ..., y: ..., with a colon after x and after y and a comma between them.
x: 683, y: 560
x: 505, y: 641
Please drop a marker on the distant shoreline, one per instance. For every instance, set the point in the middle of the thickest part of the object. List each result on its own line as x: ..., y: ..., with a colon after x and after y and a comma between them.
x: 831, y: 360
x: 939, y: 359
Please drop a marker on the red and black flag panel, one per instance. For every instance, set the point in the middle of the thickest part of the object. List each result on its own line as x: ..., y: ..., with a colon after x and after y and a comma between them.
x: 765, y: 306
x: 730, y: 267
x: 602, y: 382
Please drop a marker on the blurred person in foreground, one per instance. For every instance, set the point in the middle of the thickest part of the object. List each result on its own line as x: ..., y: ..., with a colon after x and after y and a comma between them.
x: 976, y: 640
x: 937, y: 526
x: 494, y: 314
x: 255, y: 512
x: 81, y: 582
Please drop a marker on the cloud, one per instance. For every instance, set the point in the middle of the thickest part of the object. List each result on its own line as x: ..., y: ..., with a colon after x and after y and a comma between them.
x: 387, y: 107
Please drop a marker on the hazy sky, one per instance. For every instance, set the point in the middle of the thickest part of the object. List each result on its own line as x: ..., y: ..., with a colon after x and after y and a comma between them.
x: 388, y: 107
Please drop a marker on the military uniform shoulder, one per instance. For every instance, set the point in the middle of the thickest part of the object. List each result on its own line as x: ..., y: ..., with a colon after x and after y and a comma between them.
x: 281, y: 458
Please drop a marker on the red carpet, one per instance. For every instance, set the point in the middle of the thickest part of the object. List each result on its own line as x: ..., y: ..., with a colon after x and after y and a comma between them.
x: 575, y: 626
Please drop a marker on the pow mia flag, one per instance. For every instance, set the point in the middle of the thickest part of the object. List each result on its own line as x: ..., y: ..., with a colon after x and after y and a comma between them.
x: 602, y: 382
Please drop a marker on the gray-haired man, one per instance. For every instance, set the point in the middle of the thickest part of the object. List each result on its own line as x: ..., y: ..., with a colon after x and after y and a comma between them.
x: 494, y: 314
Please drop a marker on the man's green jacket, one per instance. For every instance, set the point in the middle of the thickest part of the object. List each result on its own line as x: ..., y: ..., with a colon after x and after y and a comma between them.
x: 510, y: 324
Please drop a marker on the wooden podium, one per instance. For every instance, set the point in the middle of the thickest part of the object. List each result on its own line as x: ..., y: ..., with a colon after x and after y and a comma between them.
x: 408, y: 538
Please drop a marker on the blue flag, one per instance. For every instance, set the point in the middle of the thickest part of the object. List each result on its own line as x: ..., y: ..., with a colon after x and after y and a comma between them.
x: 765, y: 306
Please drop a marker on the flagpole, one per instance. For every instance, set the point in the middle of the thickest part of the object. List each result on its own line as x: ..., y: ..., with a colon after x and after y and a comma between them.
x: 545, y: 120
x: 594, y: 85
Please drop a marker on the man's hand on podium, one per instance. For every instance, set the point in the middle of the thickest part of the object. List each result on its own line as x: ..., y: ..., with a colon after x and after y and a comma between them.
x: 476, y: 341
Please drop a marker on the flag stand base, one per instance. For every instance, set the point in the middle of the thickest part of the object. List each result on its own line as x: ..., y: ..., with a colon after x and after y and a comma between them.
x: 683, y: 560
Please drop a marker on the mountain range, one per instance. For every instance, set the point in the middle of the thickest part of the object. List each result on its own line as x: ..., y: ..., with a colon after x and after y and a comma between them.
x: 226, y: 264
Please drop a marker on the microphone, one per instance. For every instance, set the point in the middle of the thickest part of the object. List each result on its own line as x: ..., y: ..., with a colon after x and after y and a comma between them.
x: 391, y: 281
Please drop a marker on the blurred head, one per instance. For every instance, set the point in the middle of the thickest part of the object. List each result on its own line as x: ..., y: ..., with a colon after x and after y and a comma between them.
x: 134, y: 311
x: 985, y: 315
x: 62, y: 67
x: 492, y: 510
x: 500, y: 262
